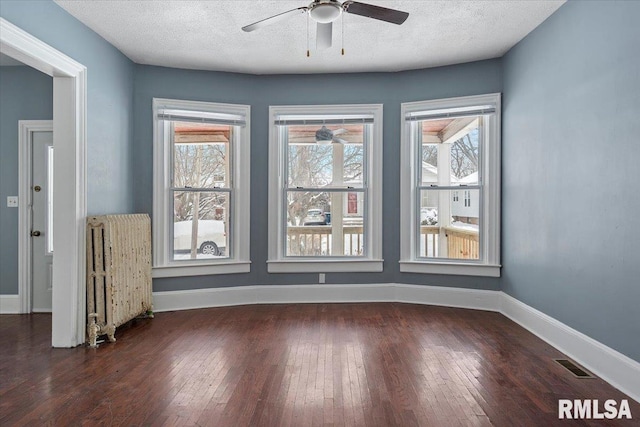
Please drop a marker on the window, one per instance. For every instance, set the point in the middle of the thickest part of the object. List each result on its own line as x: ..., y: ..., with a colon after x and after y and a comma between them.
x: 325, y: 188
x: 451, y: 146
x: 201, y: 188
x: 49, y: 225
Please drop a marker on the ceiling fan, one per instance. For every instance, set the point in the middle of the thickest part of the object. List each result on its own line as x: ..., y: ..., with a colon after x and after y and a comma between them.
x: 325, y: 12
x: 326, y: 136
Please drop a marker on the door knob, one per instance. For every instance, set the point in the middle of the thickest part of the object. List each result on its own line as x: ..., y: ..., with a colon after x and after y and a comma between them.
x: 35, y: 233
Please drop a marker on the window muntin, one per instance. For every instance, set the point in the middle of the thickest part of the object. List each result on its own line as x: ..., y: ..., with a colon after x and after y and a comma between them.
x: 325, y: 188
x: 311, y: 163
x: 460, y: 233
x: 328, y: 231
x: 201, y: 154
x: 326, y: 176
x: 201, y: 188
x: 209, y: 223
x: 451, y: 194
x: 448, y: 226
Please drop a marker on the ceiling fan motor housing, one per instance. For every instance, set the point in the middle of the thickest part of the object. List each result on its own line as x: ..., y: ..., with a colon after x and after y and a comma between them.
x: 325, y: 11
x: 324, y: 136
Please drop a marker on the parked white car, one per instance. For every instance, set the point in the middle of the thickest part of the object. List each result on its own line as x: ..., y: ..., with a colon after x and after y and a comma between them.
x: 212, y: 238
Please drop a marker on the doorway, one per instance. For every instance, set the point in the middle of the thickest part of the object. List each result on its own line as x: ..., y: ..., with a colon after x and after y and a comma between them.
x: 69, y: 123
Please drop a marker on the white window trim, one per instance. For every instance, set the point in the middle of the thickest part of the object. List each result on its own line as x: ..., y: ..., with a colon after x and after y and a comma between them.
x: 490, y: 225
x: 240, y: 216
x: 277, y: 263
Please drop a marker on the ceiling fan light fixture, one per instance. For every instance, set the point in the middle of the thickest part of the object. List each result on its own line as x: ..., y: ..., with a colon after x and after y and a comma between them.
x: 325, y: 12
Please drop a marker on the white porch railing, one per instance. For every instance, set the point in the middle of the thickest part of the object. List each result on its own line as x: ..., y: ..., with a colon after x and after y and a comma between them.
x: 316, y: 241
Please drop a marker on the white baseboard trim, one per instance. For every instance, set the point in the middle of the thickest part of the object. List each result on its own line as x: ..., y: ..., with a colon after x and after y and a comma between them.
x: 280, y: 294
x: 10, y: 304
x: 476, y: 299
x: 244, y: 295
x: 608, y: 364
x: 612, y: 366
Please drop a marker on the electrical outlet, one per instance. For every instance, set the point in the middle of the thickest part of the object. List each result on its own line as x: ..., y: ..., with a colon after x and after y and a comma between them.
x: 12, y: 201
x: 321, y: 278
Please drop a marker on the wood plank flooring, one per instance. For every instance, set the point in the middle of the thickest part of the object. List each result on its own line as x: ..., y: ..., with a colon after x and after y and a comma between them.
x: 385, y: 364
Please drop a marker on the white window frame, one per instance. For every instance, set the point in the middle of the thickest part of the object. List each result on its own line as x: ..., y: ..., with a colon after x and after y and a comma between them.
x: 239, y: 239
x: 489, y: 264
x: 372, y: 260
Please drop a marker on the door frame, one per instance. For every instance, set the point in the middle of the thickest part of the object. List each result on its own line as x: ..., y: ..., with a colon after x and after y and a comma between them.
x: 26, y: 129
x: 69, y: 171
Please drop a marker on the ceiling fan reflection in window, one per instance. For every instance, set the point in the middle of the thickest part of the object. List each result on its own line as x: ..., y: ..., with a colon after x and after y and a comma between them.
x: 325, y: 12
x: 325, y: 136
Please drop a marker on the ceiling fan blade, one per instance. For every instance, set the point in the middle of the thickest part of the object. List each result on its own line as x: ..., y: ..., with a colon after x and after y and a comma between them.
x: 273, y: 19
x: 340, y: 140
x: 324, y: 35
x: 340, y: 131
x: 376, y: 12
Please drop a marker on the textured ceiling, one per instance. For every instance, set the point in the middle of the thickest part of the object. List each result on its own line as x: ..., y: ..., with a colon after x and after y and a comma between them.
x: 207, y: 34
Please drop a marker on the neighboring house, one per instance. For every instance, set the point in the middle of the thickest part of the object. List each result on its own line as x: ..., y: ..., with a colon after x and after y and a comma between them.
x: 353, y: 204
x: 465, y: 203
x: 430, y: 174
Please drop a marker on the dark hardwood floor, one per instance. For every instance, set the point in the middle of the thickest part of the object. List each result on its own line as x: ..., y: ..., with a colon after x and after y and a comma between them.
x: 381, y: 364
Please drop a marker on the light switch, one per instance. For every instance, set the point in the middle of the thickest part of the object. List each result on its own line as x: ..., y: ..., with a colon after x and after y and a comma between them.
x: 12, y: 201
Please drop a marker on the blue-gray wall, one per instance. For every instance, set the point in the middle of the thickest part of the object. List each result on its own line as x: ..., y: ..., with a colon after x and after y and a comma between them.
x: 25, y: 94
x: 109, y: 98
x: 571, y: 161
x: 390, y: 89
x: 109, y: 114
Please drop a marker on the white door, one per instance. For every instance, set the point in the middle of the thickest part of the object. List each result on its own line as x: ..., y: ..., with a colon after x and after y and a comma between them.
x: 42, y: 220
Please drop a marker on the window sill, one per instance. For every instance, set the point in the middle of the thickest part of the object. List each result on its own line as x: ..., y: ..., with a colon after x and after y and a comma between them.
x: 325, y: 266
x: 460, y: 269
x: 230, y: 267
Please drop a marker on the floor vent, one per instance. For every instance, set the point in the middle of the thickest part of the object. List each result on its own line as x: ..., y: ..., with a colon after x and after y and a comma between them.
x: 576, y: 370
